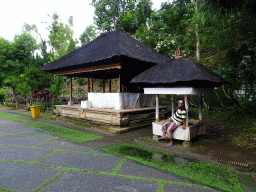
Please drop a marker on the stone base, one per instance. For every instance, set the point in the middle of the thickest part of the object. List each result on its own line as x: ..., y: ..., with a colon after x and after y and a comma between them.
x: 155, y: 137
x: 187, y: 144
x: 70, y: 102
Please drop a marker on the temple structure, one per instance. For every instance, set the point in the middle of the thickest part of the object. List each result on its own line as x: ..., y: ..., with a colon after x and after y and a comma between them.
x: 111, y: 55
x: 180, y: 76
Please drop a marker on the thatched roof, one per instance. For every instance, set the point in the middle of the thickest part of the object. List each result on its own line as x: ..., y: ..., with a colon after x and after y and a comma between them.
x: 179, y: 72
x: 110, y: 47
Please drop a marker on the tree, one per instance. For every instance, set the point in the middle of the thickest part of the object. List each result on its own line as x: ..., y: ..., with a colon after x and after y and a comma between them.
x: 56, y: 87
x: 9, y: 67
x: 60, y: 36
x: 109, y: 12
x: 88, y: 35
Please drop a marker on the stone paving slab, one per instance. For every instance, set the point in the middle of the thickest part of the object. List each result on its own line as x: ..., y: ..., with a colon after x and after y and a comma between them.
x: 82, y: 161
x: 77, y: 181
x: 23, y: 177
x: 22, y: 154
x: 55, y: 144
x: 179, y: 188
x: 21, y: 141
x: 49, y: 136
x: 13, y: 128
x: 139, y: 170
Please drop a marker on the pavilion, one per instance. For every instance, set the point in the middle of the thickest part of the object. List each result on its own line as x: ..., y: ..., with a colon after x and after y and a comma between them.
x: 182, y: 77
x: 111, y: 55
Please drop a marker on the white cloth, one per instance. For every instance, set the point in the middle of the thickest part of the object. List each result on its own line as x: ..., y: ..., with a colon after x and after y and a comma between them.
x: 119, y: 101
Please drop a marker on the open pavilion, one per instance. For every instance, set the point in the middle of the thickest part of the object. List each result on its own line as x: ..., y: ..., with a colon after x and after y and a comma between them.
x: 111, y: 55
x: 179, y: 77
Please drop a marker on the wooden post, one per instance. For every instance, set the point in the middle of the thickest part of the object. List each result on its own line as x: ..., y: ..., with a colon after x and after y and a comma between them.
x: 119, y: 83
x: 200, y: 108
x: 103, y: 85
x: 173, y: 98
x: 109, y: 85
x: 70, y: 99
x: 92, y: 83
x: 187, y: 109
x: 157, y: 108
x: 88, y: 82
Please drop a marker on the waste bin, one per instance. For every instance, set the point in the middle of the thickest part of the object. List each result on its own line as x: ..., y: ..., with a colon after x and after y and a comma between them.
x: 35, y: 110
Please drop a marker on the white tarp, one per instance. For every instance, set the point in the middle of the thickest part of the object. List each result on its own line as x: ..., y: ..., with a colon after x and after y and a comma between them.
x: 119, y: 101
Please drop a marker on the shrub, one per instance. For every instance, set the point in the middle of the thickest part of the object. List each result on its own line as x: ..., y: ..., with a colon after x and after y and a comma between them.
x: 3, y: 95
x: 57, y: 102
x: 39, y: 103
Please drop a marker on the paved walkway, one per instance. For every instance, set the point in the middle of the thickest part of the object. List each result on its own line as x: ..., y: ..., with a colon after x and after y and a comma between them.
x: 35, y: 160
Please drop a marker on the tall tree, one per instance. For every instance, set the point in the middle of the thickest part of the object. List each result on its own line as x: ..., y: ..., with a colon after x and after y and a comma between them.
x: 60, y: 36
x: 108, y: 12
x: 88, y: 35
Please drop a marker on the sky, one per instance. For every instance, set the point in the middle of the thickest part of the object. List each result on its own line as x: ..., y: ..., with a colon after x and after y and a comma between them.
x: 15, y: 12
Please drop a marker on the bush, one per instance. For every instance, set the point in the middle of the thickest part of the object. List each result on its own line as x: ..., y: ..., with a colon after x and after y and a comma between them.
x: 39, y: 103
x: 57, y: 102
x: 3, y: 95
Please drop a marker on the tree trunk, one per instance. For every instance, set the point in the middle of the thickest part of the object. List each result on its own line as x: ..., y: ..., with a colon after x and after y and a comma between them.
x: 16, y: 99
x: 197, y: 39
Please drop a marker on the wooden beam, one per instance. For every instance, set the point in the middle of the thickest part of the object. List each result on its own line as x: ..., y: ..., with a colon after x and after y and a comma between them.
x: 157, y: 108
x: 89, y: 69
x: 109, y: 85
x: 103, y: 85
x: 200, y: 108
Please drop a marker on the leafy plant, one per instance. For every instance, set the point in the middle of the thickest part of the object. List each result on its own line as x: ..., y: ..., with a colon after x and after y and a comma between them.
x: 39, y: 103
x: 3, y: 95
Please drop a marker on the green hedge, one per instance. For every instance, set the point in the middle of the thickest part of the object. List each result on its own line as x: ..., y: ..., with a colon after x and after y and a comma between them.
x: 3, y: 95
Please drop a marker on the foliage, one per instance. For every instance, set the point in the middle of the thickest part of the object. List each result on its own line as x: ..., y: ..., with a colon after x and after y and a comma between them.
x: 3, y: 95
x: 88, y: 35
x: 60, y: 36
x: 56, y: 102
x: 39, y: 103
x: 40, y: 95
x: 56, y: 87
x: 81, y: 81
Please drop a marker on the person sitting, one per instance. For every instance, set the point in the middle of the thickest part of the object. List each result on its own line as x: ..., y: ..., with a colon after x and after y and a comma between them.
x: 178, y: 118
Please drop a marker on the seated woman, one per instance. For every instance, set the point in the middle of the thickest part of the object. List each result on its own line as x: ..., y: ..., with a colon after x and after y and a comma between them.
x: 178, y: 118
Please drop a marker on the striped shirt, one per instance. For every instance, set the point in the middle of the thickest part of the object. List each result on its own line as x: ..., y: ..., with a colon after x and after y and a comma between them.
x: 179, y: 115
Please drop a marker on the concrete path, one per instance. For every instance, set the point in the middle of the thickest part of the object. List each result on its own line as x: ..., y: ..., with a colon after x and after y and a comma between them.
x: 33, y: 160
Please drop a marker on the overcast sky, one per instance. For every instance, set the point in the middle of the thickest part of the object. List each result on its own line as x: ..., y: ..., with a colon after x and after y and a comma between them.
x: 15, y: 12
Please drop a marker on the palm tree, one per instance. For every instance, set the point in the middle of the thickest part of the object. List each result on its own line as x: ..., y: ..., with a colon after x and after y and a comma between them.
x: 56, y: 87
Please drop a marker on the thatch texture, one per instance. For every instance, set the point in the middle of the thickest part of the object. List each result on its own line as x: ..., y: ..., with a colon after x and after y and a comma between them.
x: 110, y: 47
x: 179, y: 72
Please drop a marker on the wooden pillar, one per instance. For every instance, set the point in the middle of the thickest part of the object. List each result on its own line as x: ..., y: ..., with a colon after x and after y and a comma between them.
x: 119, y: 83
x: 89, y: 85
x: 103, y: 85
x: 92, y: 84
x: 70, y: 99
x: 173, y: 98
x: 157, y: 108
x: 200, y: 108
x: 109, y: 85
x: 187, y: 109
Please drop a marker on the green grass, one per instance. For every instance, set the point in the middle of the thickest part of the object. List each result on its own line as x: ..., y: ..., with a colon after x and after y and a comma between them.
x: 12, y: 117
x: 206, y: 173
x: 67, y: 133
x: 42, y: 114
x: 148, y: 138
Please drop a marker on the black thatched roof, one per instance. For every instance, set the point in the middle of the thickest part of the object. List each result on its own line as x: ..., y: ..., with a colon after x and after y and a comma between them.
x: 110, y: 47
x: 179, y: 72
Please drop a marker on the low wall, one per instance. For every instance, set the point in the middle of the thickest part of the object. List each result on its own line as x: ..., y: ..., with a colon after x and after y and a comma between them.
x: 116, y: 119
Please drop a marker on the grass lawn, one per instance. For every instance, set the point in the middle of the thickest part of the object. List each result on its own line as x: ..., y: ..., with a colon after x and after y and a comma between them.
x: 42, y: 114
x: 67, y: 133
x: 12, y: 117
x: 206, y: 173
